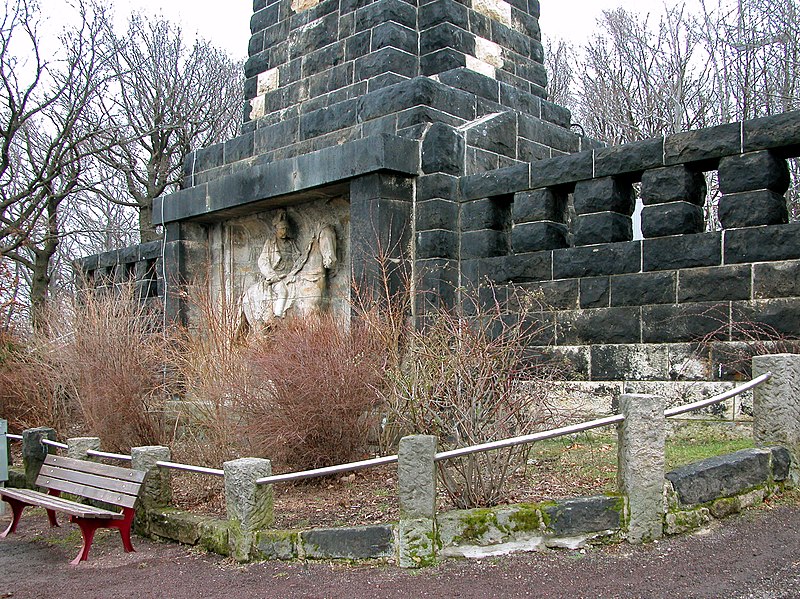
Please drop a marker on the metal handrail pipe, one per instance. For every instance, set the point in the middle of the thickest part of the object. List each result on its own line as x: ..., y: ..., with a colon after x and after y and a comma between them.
x: 513, y: 441
x: 189, y: 468
x: 718, y: 398
x: 14, y: 437
x: 328, y: 470
x: 111, y: 456
x: 54, y: 444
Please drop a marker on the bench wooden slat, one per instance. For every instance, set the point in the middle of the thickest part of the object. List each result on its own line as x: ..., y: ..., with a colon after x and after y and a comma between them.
x: 95, y: 468
x: 114, y: 498
x: 59, y: 504
x: 92, y: 480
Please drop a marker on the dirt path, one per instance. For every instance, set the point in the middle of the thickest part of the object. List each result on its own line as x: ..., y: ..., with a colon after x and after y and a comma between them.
x: 752, y: 555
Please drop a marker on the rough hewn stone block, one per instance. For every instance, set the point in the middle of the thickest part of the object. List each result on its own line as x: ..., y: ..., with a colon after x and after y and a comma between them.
x: 682, y: 251
x: 540, y: 204
x: 776, y: 279
x: 602, y: 227
x: 494, y: 183
x: 629, y: 158
x: 532, y: 237
x: 643, y: 288
x: 363, y: 542
x: 762, y: 244
x: 484, y: 244
x: 602, y: 325
x: 751, y: 209
x: 673, y: 218
x: 608, y: 259
x: 719, y: 283
x: 702, y: 146
x: 585, y: 514
x: 603, y: 195
x: 595, y: 292
x: 673, y: 184
x: 753, y: 171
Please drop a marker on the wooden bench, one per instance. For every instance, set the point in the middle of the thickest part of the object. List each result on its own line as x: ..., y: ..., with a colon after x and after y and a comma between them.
x: 109, y: 484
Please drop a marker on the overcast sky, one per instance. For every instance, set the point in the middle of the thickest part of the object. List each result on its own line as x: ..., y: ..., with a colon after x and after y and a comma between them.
x: 227, y: 23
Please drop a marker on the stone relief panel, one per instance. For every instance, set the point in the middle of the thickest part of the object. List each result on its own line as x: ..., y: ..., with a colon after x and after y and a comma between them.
x: 285, y: 262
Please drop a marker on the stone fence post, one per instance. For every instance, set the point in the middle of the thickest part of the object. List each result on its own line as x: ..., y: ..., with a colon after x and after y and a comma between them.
x: 249, y: 506
x: 640, y: 473
x: 34, y: 451
x: 78, y: 447
x: 416, y: 489
x: 776, y: 406
x: 157, y: 488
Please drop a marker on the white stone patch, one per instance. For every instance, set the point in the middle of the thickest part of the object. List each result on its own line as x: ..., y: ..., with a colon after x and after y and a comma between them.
x: 477, y: 552
x: 494, y: 9
x: 267, y: 81
x: 484, y: 68
x: 301, y: 5
x: 257, y: 107
x: 489, y: 52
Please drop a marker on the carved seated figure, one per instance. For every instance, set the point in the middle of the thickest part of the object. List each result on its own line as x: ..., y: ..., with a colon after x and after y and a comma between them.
x: 294, y: 280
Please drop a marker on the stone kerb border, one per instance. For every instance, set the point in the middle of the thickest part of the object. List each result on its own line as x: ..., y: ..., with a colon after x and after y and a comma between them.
x: 648, y: 505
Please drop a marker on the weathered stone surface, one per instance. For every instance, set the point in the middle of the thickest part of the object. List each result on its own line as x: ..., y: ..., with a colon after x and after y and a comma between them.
x: 214, y: 536
x: 418, y: 544
x: 276, y: 544
x: 34, y: 451
x: 684, y: 521
x: 751, y: 209
x: 762, y: 244
x: 684, y: 322
x: 776, y: 406
x: 635, y: 362
x: 603, y: 195
x: 536, y: 236
x: 487, y: 213
x: 246, y: 502
x: 585, y: 514
x: 594, y: 292
x: 602, y: 227
x: 753, y: 171
x: 781, y: 461
x: 640, y: 289
x: 721, y: 476
x: 77, y: 447
x: 673, y: 218
x: 416, y: 483
x: 560, y: 170
x: 498, y: 182
x: 776, y: 279
x: 541, y: 204
x: 673, y: 184
x: 443, y: 150
x: 440, y: 243
x: 365, y: 542
x: 629, y: 158
x: 175, y: 525
x: 641, y: 439
x: 718, y: 283
x: 779, y: 316
x: 601, y: 325
x: 484, y: 244
x: 703, y: 145
x: 772, y: 131
x: 156, y: 491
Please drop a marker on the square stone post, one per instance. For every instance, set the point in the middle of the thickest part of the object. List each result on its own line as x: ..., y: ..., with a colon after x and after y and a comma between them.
x: 776, y: 406
x: 157, y: 488
x: 34, y: 451
x: 249, y: 506
x: 78, y: 447
x: 640, y: 470
x: 416, y: 489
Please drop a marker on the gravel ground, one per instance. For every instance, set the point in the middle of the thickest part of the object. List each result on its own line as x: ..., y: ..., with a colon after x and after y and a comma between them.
x: 756, y: 554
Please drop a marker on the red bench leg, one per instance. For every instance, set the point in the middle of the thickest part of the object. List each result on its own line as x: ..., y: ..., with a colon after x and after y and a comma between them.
x: 124, y: 527
x: 88, y: 528
x: 16, y: 514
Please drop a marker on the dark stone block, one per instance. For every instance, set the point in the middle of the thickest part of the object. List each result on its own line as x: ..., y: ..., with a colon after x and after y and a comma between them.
x: 239, y: 148
x: 443, y: 11
x: 781, y: 460
x: 446, y: 35
x: 553, y: 113
x: 263, y: 18
x: 673, y: 184
x: 436, y: 214
x: 584, y: 515
x: 762, y: 244
x: 486, y: 213
x: 210, y: 157
x: 484, y: 244
x: 472, y: 82
x: 751, y: 209
x: 518, y: 99
x: 441, y: 60
x: 395, y: 36
x: 703, y: 146
x: 530, y: 151
x: 558, y: 295
x: 769, y: 319
x: 753, y: 171
x: 672, y: 218
x: 776, y: 279
x: 607, y: 259
x: 561, y: 170
x: 384, y: 11
x: 497, y: 134
x: 629, y: 158
x: 718, y: 283
x: 721, y: 476
x: 256, y: 43
x: 358, y: 45
x: 443, y: 150
x: 386, y: 60
x: 259, y: 4
x: 600, y: 325
x: 437, y: 185
x: 438, y: 243
x: 684, y: 322
x: 305, y: 40
x: 518, y: 268
x: 480, y: 161
x: 640, y: 289
x: 536, y: 236
x: 363, y: 542
x: 603, y: 195
x: 494, y: 183
x: 437, y: 284
x: 420, y: 91
x: 276, y: 136
x: 595, y: 292
x: 541, y: 204
x: 602, y: 227
x: 508, y: 38
x: 682, y: 251
x: 778, y: 131
x: 548, y: 134
x: 326, y: 120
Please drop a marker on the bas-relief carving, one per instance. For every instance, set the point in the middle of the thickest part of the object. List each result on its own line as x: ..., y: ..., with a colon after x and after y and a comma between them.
x: 289, y: 261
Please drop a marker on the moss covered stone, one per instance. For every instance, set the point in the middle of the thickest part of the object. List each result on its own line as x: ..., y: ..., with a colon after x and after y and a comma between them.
x: 175, y: 525
x: 276, y: 544
x: 214, y: 536
x: 684, y: 521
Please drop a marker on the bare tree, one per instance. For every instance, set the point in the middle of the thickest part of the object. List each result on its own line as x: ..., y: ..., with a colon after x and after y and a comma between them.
x: 170, y: 100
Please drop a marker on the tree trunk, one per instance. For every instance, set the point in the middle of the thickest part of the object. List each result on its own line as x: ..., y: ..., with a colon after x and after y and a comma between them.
x: 147, y: 231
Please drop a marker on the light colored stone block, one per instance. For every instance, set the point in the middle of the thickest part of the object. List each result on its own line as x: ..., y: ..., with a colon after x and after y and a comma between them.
x: 489, y: 52
x: 267, y: 81
x: 78, y: 447
x: 301, y: 5
x: 484, y: 68
x: 157, y: 488
x: 257, y: 108
x: 494, y: 9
